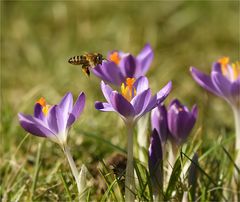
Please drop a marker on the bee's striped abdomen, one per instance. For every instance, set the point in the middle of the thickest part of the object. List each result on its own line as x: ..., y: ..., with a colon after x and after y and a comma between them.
x: 75, y: 60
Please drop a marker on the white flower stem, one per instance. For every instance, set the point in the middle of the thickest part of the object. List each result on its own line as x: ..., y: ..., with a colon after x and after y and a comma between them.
x: 172, y: 155
x: 236, y: 177
x: 74, y: 169
x: 129, y: 180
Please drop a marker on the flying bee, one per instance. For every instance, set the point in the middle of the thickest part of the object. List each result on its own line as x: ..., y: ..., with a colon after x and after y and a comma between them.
x: 88, y: 60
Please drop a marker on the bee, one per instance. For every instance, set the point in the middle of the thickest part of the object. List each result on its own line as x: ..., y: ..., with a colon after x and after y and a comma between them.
x: 88, y: 60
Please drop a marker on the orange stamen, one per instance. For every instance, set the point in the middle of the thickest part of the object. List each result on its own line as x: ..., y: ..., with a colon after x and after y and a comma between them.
x: 44, y: 105
x: 42, y: 102
x: 224, y: 62
x: 128, y: 91
x: 115, y: 58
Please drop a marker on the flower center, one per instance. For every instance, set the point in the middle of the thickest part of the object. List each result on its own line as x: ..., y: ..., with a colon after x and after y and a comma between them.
x: 128, y: 90
x: 45, y: 106
x: 115, y: 57
x: 232, y: 72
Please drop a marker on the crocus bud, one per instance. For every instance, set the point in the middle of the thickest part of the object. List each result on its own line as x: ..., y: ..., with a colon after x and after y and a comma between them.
x: 155, y: 162
x: 159, y: 122
x: 180, y: 121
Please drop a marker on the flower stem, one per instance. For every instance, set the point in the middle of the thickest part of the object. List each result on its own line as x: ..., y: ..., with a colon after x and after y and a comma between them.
x: 129, y: 181
x: 74, y: 169
x: 236, y: 177
x: 172, y: 155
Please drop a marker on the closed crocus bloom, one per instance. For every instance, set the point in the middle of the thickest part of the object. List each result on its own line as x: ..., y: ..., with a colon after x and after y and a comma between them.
x: 159, y: 122
x: 120, y: 65
x: 155, y: 164
x: 54, y: 121
x: 180, y: 121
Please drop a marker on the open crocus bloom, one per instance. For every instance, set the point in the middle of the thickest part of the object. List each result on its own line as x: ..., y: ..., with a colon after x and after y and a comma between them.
x: 120, y: 66
x: 224, y: 80
x: 134, y: 100
x: 53, y: 121
x: 180, y: 121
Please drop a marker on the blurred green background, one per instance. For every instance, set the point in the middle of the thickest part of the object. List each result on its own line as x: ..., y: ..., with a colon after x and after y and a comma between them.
x: 37, y: 39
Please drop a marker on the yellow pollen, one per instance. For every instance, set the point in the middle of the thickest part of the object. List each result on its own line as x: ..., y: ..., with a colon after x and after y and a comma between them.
x: 224, y: 62
x: 115, y: 57
x: 236, y: 70
x: 128, y: 91
x: 44, y: 105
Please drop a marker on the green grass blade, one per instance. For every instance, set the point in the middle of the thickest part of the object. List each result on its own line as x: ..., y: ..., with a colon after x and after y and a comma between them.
x: 36, y: 173
x: 173, y: 179
x: 65, y: 186
x: 231, y: 159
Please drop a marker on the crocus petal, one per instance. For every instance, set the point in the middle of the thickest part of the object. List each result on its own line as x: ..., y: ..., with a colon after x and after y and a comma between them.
x: 38, y: 112
x: 56, y: 120
x: 107, y: 90
x: 140, y: 101
x: 163, y: 93
x: 155, y: 151
x: 222, y: 84
x: 77, y: 109
x: 216, y: 67
x: 159, y: 121
x: 121, y: 105
x: 155, y: 161
x: 103, y: 106
x: 204, y: 80
x: 128, y: 66
x: 180, y: 121
x: 141, y: 84
x: 144, y: 60
x: 235, y: 93
x: 66, y: 105
x: 34, y: 126
x: 66, y: 102
x: 195, y: 111
x: 159, y: 97
x: 109, y: 72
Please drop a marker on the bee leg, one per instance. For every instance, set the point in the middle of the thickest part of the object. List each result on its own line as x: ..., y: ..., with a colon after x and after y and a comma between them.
x: 86, y: 71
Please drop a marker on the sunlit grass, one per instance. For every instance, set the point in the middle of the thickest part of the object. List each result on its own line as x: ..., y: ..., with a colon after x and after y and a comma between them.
x: 37, y: 40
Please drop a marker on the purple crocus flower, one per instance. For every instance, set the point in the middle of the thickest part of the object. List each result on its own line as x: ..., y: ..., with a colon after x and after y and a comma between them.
x: 54, y: 121
x: 180, y: 121
x: 174, y: 123
x: 155, y: 162
x: 120, y: 66
x: 224, y: 80
x: 134, y: 100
